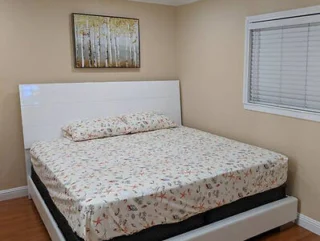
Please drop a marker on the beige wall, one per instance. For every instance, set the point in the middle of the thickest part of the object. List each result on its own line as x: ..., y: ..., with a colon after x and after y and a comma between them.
x: 210, y: 66
x: 36, y: 47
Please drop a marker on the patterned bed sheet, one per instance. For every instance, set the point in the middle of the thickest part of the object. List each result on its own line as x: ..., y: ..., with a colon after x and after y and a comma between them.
x: 120, y: 185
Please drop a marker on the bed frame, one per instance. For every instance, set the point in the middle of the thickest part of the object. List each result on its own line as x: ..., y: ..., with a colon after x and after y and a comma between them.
x: 45, y: 108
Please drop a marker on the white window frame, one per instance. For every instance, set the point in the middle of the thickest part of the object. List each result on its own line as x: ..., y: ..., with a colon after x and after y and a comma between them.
x: 284, y: 111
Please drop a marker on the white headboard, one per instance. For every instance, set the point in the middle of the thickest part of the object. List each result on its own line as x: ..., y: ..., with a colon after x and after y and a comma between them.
x: 45, y: 108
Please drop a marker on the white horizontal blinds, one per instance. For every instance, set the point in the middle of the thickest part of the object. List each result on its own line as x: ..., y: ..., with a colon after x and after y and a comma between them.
x: 285, y: 66
x: 266, y: 65
x: 313, y: 73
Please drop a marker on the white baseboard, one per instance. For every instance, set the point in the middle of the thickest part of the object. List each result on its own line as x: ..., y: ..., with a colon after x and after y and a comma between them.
x: 13, y: 193
x: 308, y: 223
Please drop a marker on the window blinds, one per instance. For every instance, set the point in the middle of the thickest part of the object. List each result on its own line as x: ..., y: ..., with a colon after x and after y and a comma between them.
x: 285, y: 66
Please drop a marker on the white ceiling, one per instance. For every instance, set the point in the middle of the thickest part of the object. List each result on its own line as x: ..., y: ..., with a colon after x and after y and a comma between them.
x: 167, y: 2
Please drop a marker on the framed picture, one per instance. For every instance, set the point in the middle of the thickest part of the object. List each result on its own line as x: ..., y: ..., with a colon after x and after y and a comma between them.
x: 106, y: 42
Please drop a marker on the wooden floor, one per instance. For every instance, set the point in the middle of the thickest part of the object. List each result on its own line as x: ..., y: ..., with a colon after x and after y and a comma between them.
x: 19, y: 220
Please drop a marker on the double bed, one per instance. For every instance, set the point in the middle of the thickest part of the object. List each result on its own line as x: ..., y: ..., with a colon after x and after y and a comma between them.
x: 176, y: 183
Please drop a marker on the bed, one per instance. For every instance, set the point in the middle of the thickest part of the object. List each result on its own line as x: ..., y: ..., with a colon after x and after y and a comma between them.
x: 168, y: 183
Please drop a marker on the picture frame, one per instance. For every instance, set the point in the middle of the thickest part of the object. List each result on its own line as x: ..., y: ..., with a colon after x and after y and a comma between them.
x: 106, y: 41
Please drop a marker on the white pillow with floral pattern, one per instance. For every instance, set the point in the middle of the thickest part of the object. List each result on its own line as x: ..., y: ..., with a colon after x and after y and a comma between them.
x: 147, y: 121
x: 83, y: 130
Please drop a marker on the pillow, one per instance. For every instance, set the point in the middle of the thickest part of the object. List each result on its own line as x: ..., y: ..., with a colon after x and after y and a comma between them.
x: 95, y: 128
x: 147, y: 121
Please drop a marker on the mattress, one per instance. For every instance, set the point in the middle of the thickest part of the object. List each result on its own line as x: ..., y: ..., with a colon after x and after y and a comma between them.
x: 165, y: 231
x: 118, y: 186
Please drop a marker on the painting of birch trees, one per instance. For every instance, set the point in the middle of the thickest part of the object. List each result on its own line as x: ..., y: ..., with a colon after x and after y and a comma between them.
x: 106, y: 42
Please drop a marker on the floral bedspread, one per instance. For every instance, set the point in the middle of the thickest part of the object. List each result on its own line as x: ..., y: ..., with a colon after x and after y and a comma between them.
x: 121, y: 185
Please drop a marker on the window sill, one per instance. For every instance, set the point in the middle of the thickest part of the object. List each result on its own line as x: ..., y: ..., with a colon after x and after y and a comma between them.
x: 300, y: 114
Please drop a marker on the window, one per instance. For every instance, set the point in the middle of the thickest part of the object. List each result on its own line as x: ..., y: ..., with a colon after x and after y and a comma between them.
x: 282, y: 72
